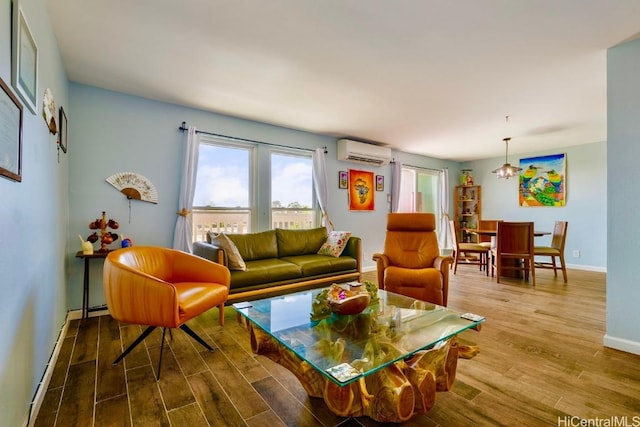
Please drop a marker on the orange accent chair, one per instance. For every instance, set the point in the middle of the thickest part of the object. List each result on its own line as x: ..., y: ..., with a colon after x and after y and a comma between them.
x: 161, y: 287
x: 461, y: 251
x: 555, y: 250
x: 515, y: 246
x: 411, y: 263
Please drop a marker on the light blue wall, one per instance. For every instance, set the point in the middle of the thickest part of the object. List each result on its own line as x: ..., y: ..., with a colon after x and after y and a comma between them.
x: 120, y: 132
x: 114, y: 132
x: 585, y: 210
x: 623, y: 106
x: 33, y: 231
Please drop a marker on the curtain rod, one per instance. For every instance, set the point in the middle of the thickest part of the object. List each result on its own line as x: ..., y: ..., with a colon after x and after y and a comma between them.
x: 420, y: 167
x: 184, y: 127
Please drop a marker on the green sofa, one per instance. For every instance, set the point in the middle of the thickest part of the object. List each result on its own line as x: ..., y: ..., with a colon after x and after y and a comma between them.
x: 281, y: 261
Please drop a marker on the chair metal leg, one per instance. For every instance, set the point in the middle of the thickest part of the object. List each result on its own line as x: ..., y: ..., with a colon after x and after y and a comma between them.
x: 138, y: 340
x: 195, y: 336
x: 164, y: 331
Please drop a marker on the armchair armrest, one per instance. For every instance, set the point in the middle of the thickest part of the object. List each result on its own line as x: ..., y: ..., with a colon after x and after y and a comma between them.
x: 382, y: 262
x: 191, y: 268
x: 443, y: 263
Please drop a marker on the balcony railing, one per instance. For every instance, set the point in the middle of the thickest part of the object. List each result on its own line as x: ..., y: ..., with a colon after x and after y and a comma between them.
x: 239, y: 221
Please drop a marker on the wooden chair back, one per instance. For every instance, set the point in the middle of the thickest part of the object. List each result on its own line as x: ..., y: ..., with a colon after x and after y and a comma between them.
x: 555, y: 250
x: 559, y: 235
x: 487, y: 224
x: 515, y: 242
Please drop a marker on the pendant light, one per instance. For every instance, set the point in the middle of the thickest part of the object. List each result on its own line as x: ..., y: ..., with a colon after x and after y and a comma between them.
x: 506, y: 170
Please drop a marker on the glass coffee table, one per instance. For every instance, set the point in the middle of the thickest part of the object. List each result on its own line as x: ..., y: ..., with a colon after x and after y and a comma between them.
x: 386, y: 362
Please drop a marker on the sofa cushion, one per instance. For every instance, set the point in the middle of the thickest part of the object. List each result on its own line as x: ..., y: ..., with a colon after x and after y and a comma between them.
x: 300, y: 242
x: 254, y: 246
x: 234, y: 259
x: 265, y: 271
x: 312, y: 265
x: 335, y: 244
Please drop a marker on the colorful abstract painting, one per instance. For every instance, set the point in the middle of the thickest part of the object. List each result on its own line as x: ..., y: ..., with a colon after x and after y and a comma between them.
x: 543, y: 181
x: 361, y: 190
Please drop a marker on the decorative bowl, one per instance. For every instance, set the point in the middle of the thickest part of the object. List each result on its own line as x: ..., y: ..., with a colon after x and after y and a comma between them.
x: 353, y: 304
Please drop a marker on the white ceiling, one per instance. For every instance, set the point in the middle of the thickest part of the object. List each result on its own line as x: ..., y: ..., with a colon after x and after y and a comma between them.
x: 431, y: 77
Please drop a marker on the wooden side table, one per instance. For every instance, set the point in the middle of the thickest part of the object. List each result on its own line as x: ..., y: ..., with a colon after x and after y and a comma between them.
x: 85, y: 286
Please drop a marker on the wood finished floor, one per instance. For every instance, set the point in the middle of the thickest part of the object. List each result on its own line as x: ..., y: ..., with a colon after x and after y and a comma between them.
x: 541, y: 360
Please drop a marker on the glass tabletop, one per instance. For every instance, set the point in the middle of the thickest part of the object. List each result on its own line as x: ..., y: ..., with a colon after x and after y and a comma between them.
x: 347, y: 347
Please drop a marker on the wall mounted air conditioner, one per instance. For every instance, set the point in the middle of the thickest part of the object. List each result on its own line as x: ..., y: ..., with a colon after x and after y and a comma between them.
x: 360, y: 152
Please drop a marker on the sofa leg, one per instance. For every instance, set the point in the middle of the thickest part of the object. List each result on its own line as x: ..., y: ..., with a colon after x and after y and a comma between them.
x: 221, y: 313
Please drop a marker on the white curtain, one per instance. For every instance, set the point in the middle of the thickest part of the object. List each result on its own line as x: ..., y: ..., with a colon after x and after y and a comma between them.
x: 396, y: 180
x: 320, y: 185
x: 183, y: 234
x: 444, y: 236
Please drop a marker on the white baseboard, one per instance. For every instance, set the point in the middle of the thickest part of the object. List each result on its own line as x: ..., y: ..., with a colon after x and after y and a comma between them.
x: 46, y: 377
x: 621, y: 344
x: 587, y: 268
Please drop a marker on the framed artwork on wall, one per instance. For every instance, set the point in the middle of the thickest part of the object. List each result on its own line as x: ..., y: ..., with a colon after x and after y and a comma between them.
x: 543, y: 181
x: 379, y: 182
x: 62, y: 133
x: 361, y: 194
x: 24, y: 59
x: 343, y: 180
x: 10, y: 134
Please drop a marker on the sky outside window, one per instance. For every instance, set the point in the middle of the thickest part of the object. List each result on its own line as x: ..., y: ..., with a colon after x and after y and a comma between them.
x: 291, y: 180
x: 223, y: 177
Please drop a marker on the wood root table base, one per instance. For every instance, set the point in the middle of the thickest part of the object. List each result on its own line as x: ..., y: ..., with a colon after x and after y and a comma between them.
x: 393, y: 394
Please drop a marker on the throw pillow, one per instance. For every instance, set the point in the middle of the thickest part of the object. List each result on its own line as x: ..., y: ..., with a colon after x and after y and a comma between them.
x: 234, y: 259
x: 335, y: 244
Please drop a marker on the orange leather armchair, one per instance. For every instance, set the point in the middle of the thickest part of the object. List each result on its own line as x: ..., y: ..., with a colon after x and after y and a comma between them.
x: 411, y: 264
x: 161, y: 287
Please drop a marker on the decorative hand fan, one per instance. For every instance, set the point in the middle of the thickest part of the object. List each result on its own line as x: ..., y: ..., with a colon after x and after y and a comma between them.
x: 134, y: 186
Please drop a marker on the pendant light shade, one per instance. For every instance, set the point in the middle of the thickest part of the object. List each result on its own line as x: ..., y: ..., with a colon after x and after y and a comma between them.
x: 506, y: 171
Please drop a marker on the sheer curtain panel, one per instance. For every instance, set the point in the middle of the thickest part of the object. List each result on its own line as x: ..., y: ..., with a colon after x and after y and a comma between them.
x: 320, y: 185
x: 396, y: 179
x: 445, y: 239
x: 183, y: 234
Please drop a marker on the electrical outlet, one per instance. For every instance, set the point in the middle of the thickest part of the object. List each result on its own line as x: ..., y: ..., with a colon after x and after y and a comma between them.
x: 576, y: 253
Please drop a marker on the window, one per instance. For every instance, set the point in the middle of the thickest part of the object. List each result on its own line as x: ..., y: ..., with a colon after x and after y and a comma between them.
x: 292, y: 202
x: 231, y: 195
x: 222, y: 200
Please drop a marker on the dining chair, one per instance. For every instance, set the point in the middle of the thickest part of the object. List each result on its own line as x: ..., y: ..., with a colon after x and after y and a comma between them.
x: 514, y: 250
x: 487, y: 224
x: 555, y: 250
x: 482, y: 252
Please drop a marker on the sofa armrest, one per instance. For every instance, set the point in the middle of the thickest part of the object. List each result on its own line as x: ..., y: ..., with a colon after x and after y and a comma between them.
x: 211, y: 252
x: 354, y: 250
